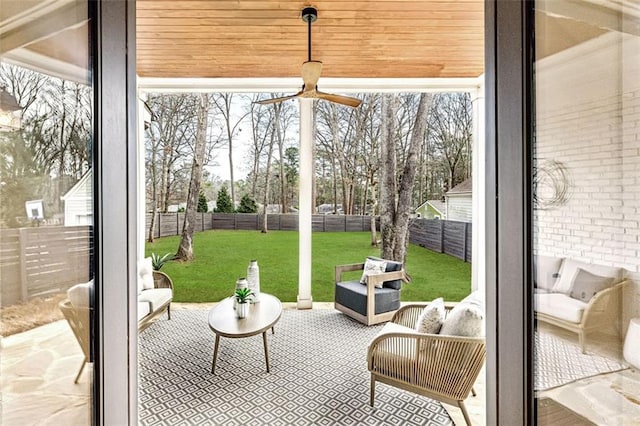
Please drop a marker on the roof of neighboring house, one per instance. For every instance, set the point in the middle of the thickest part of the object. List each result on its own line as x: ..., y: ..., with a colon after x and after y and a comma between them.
x: 462, y: 188
x: 438, y: 205
x: 75, y: 188
x: 7, y: 101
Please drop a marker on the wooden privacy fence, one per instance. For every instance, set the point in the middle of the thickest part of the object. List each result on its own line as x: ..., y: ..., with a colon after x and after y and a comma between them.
x: 42, y: 261
x: 168, y: 224
x: 444, y: 236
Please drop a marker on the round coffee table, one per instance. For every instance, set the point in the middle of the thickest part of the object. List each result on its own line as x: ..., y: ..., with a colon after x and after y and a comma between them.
x: 261, y: 317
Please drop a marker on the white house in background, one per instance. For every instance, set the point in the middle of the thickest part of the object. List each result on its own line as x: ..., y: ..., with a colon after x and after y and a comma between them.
x: 78, y: 205
x: 458, y: 202
x: 432, y: 209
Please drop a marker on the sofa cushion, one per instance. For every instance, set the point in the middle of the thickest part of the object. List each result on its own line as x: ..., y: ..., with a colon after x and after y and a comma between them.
x: 392, y: 266
x: 466, y: 318
x: 81, y: 295
x: 570, y: 269
x: 156, y: 297
x: 586, y: 285
x: 353, y: 295
x: 396, y: 357
x: 145, y: 274
x: 144, y: 309
x: 431, y: 318
x: 547, y: 271
x: 373, y: 267
x: 560, y: 306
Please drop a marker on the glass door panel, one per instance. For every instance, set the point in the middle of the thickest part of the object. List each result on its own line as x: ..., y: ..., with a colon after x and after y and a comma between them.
x: 46, y: 213
x: 586, y: 212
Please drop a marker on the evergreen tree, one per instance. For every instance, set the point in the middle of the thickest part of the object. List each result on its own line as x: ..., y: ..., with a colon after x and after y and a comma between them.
x: 202, y: 203
x: 247, y: 205
x: 223, y: 202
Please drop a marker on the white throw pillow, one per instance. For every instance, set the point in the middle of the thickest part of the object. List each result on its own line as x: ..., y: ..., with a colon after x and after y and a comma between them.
x: 547, y: 271
x: 373, y: 267
x: 431, y: 317
x: 465, y: 319
x: 569, y: 271
x: 586, y: 285
x: 80, y: 295
x: 145, y: 274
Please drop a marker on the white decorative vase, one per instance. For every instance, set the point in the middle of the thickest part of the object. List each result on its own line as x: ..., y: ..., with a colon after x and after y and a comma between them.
x: 242, y: 310
x: 253, y: 277
x: 241, y: 283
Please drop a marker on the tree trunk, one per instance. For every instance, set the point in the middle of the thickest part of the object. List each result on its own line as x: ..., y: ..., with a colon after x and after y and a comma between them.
x: 396, y: 197
x: 374, y: 205
x: 185, y: 250
x: 265, y: 229
x: 283, y: 181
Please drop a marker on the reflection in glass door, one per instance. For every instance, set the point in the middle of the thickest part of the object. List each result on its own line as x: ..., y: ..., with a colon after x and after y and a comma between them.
x: 46, y: 213
x: 586, y: 212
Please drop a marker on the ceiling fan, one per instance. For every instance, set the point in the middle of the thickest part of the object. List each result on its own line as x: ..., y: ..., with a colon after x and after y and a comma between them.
x: 311, y: 73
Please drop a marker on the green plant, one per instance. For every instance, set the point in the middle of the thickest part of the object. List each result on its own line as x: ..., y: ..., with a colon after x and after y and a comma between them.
x: 223, y: 202
x: 203, y: 207
x: 158, y: 261
x: 244, y: 295
x: 247, y: 205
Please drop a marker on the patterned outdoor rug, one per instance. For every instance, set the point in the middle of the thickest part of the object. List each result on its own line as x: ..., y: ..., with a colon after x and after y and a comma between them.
x: 559, y: 362
x: 318, y: 376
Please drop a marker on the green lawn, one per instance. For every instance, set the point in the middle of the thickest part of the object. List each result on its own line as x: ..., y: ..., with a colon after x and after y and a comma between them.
x: 222, y: 256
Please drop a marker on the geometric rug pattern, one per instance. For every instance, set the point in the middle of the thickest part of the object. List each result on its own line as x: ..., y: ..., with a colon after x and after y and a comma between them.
x: 318, y: 376
x: 558, y: 362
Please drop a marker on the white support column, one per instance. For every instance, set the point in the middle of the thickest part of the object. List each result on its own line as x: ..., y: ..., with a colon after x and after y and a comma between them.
x: 304, y: 212
x: 478, y: 235
x: 143, y: 116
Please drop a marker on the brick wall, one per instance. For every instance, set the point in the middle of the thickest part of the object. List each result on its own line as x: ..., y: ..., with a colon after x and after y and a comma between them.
x: 588, y: 119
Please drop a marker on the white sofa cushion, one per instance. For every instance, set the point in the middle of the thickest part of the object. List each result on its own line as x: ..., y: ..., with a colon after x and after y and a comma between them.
x: 570, y: 269
x: 80, y: 295
x: 547, y: 269
x: 156, y: 297
x: 145, y: 274
x: 560, y: 306
x: 144, y: 309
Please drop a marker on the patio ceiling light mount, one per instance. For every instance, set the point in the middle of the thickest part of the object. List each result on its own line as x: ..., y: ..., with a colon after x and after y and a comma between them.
x: 311, y: 73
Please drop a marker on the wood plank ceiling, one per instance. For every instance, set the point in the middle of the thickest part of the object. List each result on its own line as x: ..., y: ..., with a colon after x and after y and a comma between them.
x: 267, y: 38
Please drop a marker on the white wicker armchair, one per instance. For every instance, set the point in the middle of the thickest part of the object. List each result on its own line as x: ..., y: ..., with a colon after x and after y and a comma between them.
x: 436, y: 366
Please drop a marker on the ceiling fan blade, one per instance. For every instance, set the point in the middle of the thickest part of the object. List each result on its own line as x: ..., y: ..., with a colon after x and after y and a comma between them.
x: 276, y: 100
x: 310, y: 74
x: 339, y: 99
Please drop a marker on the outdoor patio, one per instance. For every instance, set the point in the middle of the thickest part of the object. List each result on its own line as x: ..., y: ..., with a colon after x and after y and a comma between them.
x: 318, y: 375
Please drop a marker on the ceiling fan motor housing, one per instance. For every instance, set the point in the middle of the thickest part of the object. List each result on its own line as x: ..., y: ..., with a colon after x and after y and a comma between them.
x: 309, y: 14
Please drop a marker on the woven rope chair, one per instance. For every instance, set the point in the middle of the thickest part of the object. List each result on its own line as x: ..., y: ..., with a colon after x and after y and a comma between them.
x: 436, y: 366
x: 79, y: 320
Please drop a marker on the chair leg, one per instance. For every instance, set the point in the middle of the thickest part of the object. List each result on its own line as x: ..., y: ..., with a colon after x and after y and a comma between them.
x: 372, y: 392
x: 473, y: 391
x: 581, y: 338
x: 169, y: 310
x: 464, y: 412
x: 80, y: 372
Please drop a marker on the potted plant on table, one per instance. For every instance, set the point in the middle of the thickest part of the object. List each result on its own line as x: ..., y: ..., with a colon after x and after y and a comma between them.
x: 243, y: 297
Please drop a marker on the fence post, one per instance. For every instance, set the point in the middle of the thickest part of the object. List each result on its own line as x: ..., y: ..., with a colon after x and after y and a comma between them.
x: 158, y: 224
x: 24, y: 290
x: 442, y: 250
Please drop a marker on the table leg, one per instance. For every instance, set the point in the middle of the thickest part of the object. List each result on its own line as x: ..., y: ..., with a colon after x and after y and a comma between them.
x: 273, y: 330
x: 266, y: 351
x: 215, y: 354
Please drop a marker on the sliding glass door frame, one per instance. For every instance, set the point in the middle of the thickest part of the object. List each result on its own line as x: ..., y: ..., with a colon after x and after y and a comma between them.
x: 508, y: 65
x: 115, y: 189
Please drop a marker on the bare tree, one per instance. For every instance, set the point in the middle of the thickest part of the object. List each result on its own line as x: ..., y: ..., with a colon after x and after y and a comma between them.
x: 396, y: 190
x: 223, y: 102
x: 185, y: 249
